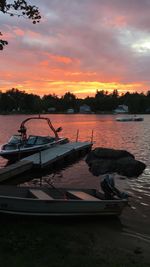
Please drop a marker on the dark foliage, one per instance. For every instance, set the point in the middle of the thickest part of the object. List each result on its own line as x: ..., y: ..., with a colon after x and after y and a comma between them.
x: 21, y: 102
x: 19, y: 8
x: 2, y: 42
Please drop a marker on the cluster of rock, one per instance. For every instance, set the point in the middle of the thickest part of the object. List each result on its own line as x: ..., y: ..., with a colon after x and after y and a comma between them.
x: 105, y: 160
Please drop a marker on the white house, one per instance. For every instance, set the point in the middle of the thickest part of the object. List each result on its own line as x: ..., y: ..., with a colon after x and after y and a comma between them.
x: 85, y: 109
x: 51, y: 110
x: 121, y: 109
x: 70, y: 110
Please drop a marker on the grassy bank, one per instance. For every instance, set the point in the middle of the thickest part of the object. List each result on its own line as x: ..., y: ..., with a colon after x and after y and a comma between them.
x: 89, y: 243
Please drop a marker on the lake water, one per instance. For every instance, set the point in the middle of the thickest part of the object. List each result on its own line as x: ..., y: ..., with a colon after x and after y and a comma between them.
x: 131, y: 136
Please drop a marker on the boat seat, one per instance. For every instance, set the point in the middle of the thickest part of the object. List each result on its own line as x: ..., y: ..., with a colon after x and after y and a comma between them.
x: 40, y: 194
x: 82, y: 195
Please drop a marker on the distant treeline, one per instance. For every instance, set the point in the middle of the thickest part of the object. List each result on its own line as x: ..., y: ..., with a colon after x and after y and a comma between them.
x: 16, y: 101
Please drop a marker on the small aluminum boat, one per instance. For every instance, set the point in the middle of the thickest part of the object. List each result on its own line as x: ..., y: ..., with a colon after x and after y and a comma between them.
x: 48, y: 201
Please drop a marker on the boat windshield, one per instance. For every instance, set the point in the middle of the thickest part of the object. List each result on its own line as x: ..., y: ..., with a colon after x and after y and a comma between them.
x: 15, y: 139
x: 39, y: 140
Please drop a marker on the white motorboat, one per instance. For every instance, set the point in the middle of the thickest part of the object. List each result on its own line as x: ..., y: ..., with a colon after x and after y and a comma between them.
x: 20, y: 146
x: 133, y: 118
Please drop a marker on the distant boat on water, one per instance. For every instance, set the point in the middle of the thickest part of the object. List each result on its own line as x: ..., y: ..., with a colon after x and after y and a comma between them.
x: 127, y: 118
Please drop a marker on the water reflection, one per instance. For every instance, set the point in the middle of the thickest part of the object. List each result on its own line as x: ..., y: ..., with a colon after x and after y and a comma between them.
x: 131, y: 136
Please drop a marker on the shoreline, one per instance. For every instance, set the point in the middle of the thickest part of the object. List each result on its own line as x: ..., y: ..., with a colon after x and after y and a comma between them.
x: 91, y: 242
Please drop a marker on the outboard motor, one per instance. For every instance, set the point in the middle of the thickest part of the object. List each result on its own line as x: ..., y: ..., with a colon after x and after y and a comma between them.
x: 109, y: 189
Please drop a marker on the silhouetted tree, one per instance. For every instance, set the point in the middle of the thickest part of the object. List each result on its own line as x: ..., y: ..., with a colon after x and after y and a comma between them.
x: 90, y: 101
x: 102, y: 101
x: 50, y: 101
x: 18, y: 8
x: 69, y: 101
x: 32, y: 103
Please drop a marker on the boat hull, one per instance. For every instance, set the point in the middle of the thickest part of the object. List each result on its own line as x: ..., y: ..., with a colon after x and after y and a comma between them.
x: 121, y: 119
x: 27, y: 206
x: 17, y: 154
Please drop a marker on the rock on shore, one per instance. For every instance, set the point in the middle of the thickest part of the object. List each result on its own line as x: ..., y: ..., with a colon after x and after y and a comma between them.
x: 105, y: 160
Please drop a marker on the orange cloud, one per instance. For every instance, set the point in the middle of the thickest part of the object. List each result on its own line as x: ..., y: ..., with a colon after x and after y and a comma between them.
x: 44, y: 63
x: 80, y: 89
x: 80, y: 73
x: 115, y: 21
x: 19, y: 32
x: 59, y: 58
x: 65, y: 60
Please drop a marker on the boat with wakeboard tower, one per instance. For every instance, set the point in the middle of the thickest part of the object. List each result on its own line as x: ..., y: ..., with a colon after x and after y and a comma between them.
x: 20, y: 145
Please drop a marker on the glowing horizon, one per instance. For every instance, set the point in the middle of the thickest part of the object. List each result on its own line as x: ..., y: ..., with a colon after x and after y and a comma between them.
x: 80, y: 89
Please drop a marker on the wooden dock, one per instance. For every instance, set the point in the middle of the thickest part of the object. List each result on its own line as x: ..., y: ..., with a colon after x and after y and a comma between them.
x: 46, y: 158
x: 61, y: 152
x: 15, y: 169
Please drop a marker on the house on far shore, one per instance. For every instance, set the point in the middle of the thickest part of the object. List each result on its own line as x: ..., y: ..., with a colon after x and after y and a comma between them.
x: 121, y: 109
x: 51, y: 110
x: 70, y: 110
x: 85, y: 109
x: 147, y: 110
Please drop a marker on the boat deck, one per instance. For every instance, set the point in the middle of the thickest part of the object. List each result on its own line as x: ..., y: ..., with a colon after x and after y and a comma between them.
x: 82, y: 195
x: 46, y: 158
x: 40, y: 194
x: 56, y: 153
x: 69, y: 194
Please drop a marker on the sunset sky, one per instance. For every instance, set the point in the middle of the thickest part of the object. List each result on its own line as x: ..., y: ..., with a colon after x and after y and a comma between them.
x: 79, y: 46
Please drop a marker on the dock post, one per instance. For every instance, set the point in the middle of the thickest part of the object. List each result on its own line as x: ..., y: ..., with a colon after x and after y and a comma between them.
x: 40, y: 169
x: 19, y: 154
x: 40, y: 159
x: 92, y: 135
x: 77, y: 136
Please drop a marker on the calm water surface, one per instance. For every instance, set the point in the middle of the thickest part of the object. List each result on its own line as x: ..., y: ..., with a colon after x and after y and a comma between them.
x: 131, y: 136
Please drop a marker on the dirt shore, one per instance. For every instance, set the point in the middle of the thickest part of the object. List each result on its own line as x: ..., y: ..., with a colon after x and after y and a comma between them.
x: 74, y: 242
